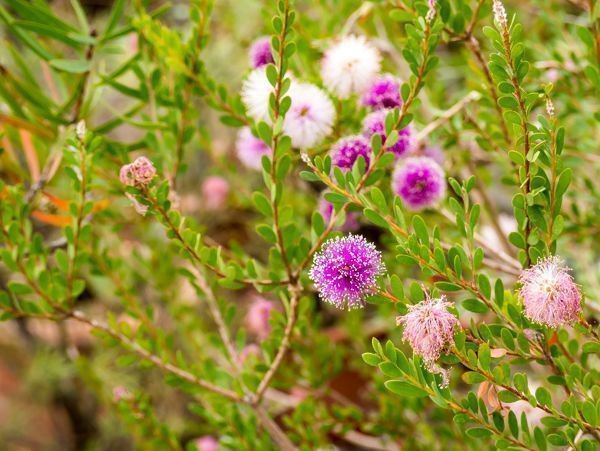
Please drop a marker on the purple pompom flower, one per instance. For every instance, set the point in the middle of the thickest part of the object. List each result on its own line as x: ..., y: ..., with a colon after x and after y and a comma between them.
x: 419, y: 181
x: 250, y: 149
x: 375, y: 123
x: 550, y: 296
x: 384, y: 92
x: 346, y: 270
x: 260, y: 53
x: 326, y: 210
x: 346, y: 151
x: 429, y: 330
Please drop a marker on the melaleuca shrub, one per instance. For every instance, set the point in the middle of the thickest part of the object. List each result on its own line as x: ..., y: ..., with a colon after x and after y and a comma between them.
x: 302, y: 224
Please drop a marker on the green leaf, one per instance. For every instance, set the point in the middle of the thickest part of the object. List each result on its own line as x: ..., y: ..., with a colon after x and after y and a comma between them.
x: 508, y: 339
x: 19, y: 288
x: 475, y: 306
x: 472, y: 377
x: 484, y: 285
x: 375, y: 218
x: 371, y: 358
x: 484, y: 356
x: 405, y: 389
x: 262, y: 204
x: 564, y: 179
x: 589, y: 412
x: 543, y: 396
x: 479, y: 433
x: 448, y: 286
x: 418, y: 225
x: 70, y: 66
x: 591, y: 348
x: 509, y: 102
x: 506, y: 396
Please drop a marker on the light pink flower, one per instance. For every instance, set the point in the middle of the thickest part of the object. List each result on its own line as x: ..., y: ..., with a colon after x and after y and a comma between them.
x: 429, y: 329
x: 257, y: 318
x: 215, y: 190
x: 549, y: 294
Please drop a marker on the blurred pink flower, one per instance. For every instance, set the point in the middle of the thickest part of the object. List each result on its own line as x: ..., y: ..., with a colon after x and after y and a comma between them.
x: 257, y: 318
x: 206, y: 443
x: 120, y: 392
x: 215, y: 190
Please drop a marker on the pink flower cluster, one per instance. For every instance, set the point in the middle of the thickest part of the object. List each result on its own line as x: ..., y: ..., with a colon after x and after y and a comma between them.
x: 549, y: 294
x: 429, y: 329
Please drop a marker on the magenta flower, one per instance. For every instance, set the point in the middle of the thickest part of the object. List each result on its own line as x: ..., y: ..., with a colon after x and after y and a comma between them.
x: 346, y: 270
x: 419, y: 181
x: 549, y: 294
x: 215, y: 190
x: 429, y: 330
x: 375, y: 123
x: 140, y: 172
x: 384, y: 92
x: 346, y: 151
x: 250, y: 149
x: 260, y: 53
x: 326, y: 210
x: 257, y: 318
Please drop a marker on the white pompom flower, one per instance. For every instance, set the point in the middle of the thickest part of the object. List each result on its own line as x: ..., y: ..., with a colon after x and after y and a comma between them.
x: 350, y: 65
x: 311, y: 116
x: 256, y: 90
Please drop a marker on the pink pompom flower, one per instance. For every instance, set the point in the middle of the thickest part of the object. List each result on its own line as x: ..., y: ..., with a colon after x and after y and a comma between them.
x: 375, y: 123
x: 346, y: 270
x: 420, y: 182
x: 549, y: 293
x: 429, y: 330
x: 260, y: 53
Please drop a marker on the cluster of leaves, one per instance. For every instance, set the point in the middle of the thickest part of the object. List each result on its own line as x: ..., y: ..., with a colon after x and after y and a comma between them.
x: 162, y: 293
